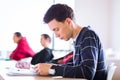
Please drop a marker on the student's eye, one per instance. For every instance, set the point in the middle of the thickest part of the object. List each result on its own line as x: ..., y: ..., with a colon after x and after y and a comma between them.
x: 56, y: 29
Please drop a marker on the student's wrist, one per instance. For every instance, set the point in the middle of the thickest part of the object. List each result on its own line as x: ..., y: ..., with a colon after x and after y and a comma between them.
x: 52, y: 70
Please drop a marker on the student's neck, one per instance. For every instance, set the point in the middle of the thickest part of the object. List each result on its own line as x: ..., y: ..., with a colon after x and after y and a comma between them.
x: 76, y: 31
x: 46, y: 46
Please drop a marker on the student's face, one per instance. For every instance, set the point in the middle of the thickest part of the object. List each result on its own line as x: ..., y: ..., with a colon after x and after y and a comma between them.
x: 62, y: 30
x: 42, y: 41
x: 15, y: 39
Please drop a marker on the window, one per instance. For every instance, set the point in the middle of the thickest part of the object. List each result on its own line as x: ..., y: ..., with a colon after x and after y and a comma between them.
x: 26, y: 16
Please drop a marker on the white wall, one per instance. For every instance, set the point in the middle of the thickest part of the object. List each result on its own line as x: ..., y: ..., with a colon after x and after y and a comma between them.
x: 25, y: 16
x: 103, y: 16
x: 115, y: 24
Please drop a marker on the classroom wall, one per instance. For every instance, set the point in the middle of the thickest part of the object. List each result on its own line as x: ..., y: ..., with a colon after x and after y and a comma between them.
x: 115, y: 20
x: 104, y: 17
x: 96, y: 14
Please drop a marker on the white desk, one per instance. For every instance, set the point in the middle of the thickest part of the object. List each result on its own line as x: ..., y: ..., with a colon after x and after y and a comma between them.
x: 4, y: 76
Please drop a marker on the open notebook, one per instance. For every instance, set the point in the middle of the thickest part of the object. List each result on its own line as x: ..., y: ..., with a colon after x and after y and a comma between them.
x: 21, y: 72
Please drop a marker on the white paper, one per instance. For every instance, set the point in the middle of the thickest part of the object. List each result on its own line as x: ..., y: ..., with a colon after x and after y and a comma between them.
x: 21, y: 72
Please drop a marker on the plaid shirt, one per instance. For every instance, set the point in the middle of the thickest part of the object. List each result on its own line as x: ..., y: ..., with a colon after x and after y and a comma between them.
x: 88, y: 58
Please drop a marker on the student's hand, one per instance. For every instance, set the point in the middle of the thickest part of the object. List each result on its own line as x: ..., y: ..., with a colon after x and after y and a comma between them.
x: 60, y: 61
x: 43, y: 68
x: 23, y: 65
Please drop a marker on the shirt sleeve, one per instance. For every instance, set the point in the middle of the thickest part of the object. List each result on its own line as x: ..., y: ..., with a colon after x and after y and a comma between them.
x: 22, y: 51
x: 18, y: 54
x: 39, y: 57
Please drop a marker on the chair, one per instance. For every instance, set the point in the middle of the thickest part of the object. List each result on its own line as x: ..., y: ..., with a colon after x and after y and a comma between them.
x: 110, y: 71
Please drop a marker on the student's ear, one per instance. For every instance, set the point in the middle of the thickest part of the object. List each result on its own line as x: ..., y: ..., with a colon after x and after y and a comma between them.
x: 68, y: 20
x: 48, y: 40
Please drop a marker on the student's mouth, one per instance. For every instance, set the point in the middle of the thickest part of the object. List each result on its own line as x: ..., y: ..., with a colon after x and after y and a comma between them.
x: 61, y: 38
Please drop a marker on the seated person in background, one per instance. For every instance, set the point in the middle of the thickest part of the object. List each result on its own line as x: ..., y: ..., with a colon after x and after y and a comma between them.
x: 23, y: 49
x: 45, y: 55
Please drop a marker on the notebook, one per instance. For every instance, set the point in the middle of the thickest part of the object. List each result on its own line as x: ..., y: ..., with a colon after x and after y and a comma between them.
x: 21, y: 72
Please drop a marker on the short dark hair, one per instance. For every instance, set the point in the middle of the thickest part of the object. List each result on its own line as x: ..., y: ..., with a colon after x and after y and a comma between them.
x: 59, y: 12
x: 18, y: 34
x: 46, y: 36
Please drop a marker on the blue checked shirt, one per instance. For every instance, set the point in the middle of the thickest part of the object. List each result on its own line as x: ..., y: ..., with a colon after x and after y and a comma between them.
x: 88, y: 61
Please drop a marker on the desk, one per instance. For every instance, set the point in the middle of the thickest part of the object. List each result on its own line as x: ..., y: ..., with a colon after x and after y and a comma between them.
x: 4, y: 76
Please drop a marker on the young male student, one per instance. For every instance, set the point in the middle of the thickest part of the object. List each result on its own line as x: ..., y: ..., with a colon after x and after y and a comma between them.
x: 23, y: 50
x: 89, y: 61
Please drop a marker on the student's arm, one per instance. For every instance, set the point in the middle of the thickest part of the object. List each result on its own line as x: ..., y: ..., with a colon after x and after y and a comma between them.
x: 19, y: 52
x: 87, y: 54
x: 84, y: 70
x: 22, y: 51
x: 15, y: 55
x: 89, y: 62
x: 39, y: 57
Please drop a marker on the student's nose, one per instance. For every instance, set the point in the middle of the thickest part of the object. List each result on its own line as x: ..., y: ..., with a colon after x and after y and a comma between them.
x: 57, y: 35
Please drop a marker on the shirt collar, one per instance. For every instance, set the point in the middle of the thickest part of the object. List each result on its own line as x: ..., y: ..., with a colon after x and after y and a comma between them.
x: 76, y: 37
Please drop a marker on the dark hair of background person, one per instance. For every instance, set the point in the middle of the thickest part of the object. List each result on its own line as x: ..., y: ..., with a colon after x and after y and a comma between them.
x: 18, y: 34
x: 46, y: 36
x: 58, y: 12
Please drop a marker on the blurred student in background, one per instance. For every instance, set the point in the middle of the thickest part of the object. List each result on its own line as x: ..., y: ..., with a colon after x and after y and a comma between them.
x: 43, y: 56
x: 23, y: 50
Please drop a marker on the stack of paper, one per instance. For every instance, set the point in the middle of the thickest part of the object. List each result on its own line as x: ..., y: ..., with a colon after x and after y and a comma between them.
x: 21, y: 72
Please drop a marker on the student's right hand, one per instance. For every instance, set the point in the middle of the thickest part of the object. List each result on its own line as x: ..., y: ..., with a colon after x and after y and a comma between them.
x: 43, y: 68
x: 23, y: 65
